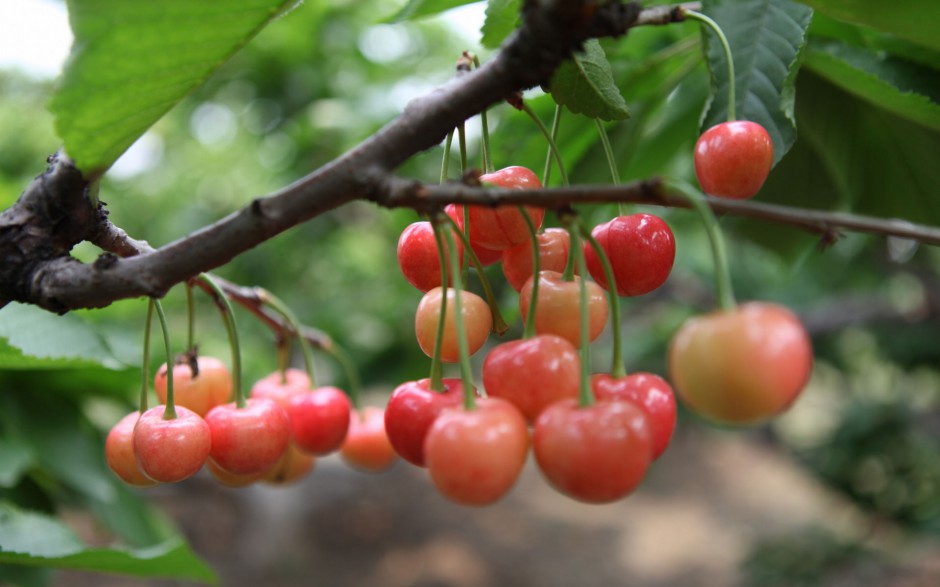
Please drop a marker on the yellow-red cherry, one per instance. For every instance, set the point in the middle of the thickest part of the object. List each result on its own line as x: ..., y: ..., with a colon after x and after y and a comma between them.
x: 650, y: 392
x: 280, y: 387
x: 554, y: 244
x: 559, y: 302
x: 477, y: 318
x: 119, y: 452
x: 170, y: 450
x: 499, y: 228
x: 249, y: 439
x: 209, y: 387
x: 367, y: 446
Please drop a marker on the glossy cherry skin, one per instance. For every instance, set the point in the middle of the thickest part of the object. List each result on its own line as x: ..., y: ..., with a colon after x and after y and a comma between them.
x: 554, y: 244
x: 650, y: 392
x: 119, y: 452
x: 272, y: 387
x: 741, y: 366
x: 532, y: 373
x: 250, y: 439
x: 418, y: 258
x: 733, y: 159
x: 210, y: 388
x: 319, y: 420
x: 641, y: 249
x: 486, y: 256
x: 293, y: 466
x: 502, y: 227
x: 367, y: 446
x: 559, y: 303
x: 477, y: 319
x: 171, y: 450
x: 475, y: 456
x: 595, y: 454
x: 411, y: 410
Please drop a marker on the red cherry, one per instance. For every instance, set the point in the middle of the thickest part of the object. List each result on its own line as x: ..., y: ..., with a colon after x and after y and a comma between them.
x: 559, y: 303
x: 210, y: 388
x: 411, y: 410
x: 477, y: 318
x: 418, y: 258
x: 119, y: 452
x: 250, y: 439
x: 733, y: 159
x: 475, y: 456
x: 648, y: 391
x: 554, y: 244
x: 367, y: 446
x: 741, y: 366
x: 271, y: 386
x: 595, y: 454
x: 292, y: 466
x: 319, y: 420
x: 532, y: 373
x: 486, y: 256
x: 641, y: 249
x: 171, y: 450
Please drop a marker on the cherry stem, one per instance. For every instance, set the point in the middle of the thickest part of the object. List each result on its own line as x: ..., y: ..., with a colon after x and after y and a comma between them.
x: 283, y: 356
x: 169, y: 412
x: 352, y: 376
x: 190, y: 318
x: 145, y: 366
x: 469, y: 401
x: 228, y: 317
x: 556, y: 124
x: 617, y: 368
x: 462, y: 141
x: 611, y: 161
x: 437, y: 370
x: 726, y: 299
x: 487, y: 152
x: 529, y: 330
x: 445, y: 161
x: 585, y: 397
x: 727, y: 49
x: 499, y: 323
x: 553, y: 149
x: 272, y: 301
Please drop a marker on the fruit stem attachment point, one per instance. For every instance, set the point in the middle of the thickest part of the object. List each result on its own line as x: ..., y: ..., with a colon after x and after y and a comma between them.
x: 617, y: 368
x: 727, y: 49
x: 169, y: 413
x: 529, y: 330
x: 228, y: 317
x: 437, y: 370
x: 553, y: 149
x: 275, y: 303
x: 469, y: 402
x: 145, y: 362
x: 726, y: 299
x: 585, y: 396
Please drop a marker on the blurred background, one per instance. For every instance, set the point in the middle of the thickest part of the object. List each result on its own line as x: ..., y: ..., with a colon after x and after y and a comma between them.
x: 842, y: 490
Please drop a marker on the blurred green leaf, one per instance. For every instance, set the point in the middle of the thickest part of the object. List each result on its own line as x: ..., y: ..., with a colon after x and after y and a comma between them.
x: 31, y: 338
x: 28, y: 538
x: 502, y: 17
x: 422, y: 8
x: 131, y: 62
x: 16, y: 457
x: 585, y: 84
x: 914, y: 20
x: 766, y: 37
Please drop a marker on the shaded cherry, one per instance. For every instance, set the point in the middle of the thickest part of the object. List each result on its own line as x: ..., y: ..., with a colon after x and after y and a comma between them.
x: 411, y: 410
x: 648, y: 391
x: 367, y: 446
x: 293, y: 466
x: 554, y: 244
x: 486, y: 256
x: 210, y: 387
x: 119, y: 452
x: 272, y: 387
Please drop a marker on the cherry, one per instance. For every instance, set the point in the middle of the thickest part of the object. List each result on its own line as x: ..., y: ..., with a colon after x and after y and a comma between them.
x: 559, y: 303
x: 743, y: 365
x: 119, y: 452
x: 476, y: 315
x: 648, y: 391
x: 418, y: 258
x: 249, y: 439
x: 171, y: 450
x: 502, y: 227
x: 293, y: 465
x: 554, y: 244
x: 595, y: 454
x: 367, y: 446
x: 532, y: 373
x: 475, y: 456
x: 486, y: 256
x: 412, y: 409
x: 733, y: 159
x: 641, y: 249
x: 230, y: 479
x: 271, y: 387
x: 212, y: 386
x: 319, y: 419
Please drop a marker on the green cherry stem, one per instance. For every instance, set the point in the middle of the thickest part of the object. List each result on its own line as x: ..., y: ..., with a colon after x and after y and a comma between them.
x: 722, y: 271
x: 469, y: 402
x: 553, y: 149
x: 727, y: 49
x: 462, y: 141
x: 349, y: 368
x: 611, y: 160
x: 190, y: 318
x: 437, y: 369
x: 169, y: 413
x: 556, y: 125
x: 445, y: 161
x: 487, y: 151
x: 228, y: 317
x: 585, y: 397
x: 617, y: 368
x: 145, y: 362
x: 272, y: 301
x: 283, y: 356
x: 529, y: 330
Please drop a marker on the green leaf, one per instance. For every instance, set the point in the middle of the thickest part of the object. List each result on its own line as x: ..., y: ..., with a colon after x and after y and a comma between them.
x: 502, y: 18
x: 423, y: 8
x: 766, y: 37
x: 29, y: 538
x: 585, y: 84
x: 16, y: 457
x: 902, y: 87
x: 914, y: 20
x: 133, y: 61
x: 31, y: 338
